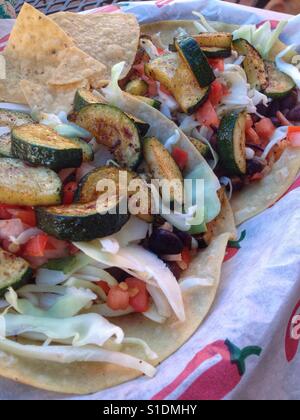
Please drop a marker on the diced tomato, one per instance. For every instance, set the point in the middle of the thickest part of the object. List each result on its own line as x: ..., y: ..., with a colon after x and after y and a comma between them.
x: 256, y: 177
x: 207, y: 115
x: 186, y: 256
x: 181, y: 157
x: 152, y: 86
x: 72, y: 249
x: 217, y: 64
x: 118, y: 298
x: 4, y: 213
x: 216, y: 93
x: 160, y: 51
x: 252, y: 136
x: 36, y: 246
x: 104, y: 285
x: 69, y: 192
x: 139, y: 299
x: 56, y: 248
x: 265, y: 129
x: 27, y: 216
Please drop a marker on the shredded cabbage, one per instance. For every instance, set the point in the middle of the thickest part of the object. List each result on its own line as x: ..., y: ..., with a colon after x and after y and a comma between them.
x: 204, y: 24
x: 215, y: 155
x: 288, y: 68
x: 65, y: 306
x: 262, y: 38
x: 112, y: 92
x: 78, y: 283
x: 172, y: 141
x: 168, y: 103
x: 279, y: 135
x: 80, y: 330
x: 67, y: 354
x: 188, y: 124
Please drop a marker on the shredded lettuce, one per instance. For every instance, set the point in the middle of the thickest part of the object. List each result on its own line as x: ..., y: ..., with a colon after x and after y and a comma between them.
x: 203, y: 23
x: 80, y: 330
x: 288, y: 68
x: 78, y: 283
x: 262, y: 38
x: 144, y: 265
x: 67, y: 354
x: 113, y: 92
x: 65, y: 306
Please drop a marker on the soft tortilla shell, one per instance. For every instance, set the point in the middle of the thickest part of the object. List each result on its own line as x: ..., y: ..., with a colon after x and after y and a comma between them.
x: 85, y: 378
x: 109, y: 38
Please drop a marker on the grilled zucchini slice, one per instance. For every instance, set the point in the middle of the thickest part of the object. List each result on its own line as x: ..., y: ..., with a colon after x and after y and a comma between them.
x: 280, y: 84
x: 232, y: 143
x: 202, y: 148
x: 216, y: 52
x: 14, y: 118
x: 195, y: 59
x: 5, y: 145
x: 41, y: 145
x: 178, y: 79
x: 87, y: 150
x: 81, y: 222
x: 114, y: 129
x: 84, y: 97
x: 137, y: 87
x: 25, y: 186
x: 221, y: 40
x: 161, y: 164
x: 87, y: 192
x: 253, y: 64
x: 14, y: 271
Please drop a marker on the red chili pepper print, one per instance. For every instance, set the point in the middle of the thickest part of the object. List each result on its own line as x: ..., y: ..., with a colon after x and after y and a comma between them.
x: 291, y: 342
x: 234, y: 247
x: 223, y: 365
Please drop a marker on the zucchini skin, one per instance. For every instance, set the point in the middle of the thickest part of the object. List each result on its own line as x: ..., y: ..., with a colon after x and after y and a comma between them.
x: 229, y: 140
x: 47, y: 155
x: 14, y: 118
x: 114, y: 129
x: 213, y: 52
x: 84, y: 97
x: 280, y: 84
x: 14, y: 272
x: 22, y: 185
x: 196, y: 60
x: 77, y: 228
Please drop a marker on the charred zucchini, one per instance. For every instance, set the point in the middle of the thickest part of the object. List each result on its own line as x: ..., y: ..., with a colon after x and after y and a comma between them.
x: 137, y: 87
x: 280, y: 84
x: 87, y: 187
x: 81, y: 222
x: 14, y: 271
x: 5, y: 145
x: 14, y: 118
x: 253, y: 64
x: 216, y: 52
x: 202, y: 148
x: 161, y: 164
x: 41, y: 145
x: 195, y: 59
x: 87, y: 150
x: 84, y: 97
x: 178, y: 79
x: 25, y: 186
x: 214, y: 39
x: 232, y: 143
x: 114, y: 129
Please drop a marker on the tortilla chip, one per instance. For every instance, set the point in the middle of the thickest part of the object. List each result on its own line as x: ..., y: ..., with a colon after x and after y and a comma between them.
x: 42, y: 53
x: 109, y: 38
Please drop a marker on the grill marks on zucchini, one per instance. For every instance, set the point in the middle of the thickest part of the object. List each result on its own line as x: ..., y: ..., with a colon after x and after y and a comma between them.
x: 114, y: 129
x: 280, y: 84
x: 82, y: 222
x: 215, y: 45
x: 178, y: 79
x: 195, y: 59
x: 14, y: 271
x: 253, y: 64
x: 41, y: 145
x: 215, y: 52
x: 232, y: 143
x: 26, y: 186
x: 161, y: 163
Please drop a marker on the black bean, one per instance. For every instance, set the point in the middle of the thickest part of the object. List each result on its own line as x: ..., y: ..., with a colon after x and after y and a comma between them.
x: 290, y: 101
x: 255, y: 166
x: 237, y: 183
x: 202, y: 244
x: 273, y: 108
x: 186, y: 239
x: 262, y: 109
x: 163, y: 242
x: 255, y: 118
x: 294, y: 114
x: 118, y: 274
x: 175, y: 269
x: 276, y: 122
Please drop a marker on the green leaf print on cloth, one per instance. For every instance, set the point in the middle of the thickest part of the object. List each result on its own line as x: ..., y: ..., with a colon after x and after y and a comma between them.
x: 7, y: 9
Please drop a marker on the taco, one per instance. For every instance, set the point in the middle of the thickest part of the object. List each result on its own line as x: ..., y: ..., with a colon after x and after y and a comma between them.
x: 235, y: 93
x: 93, y: 295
